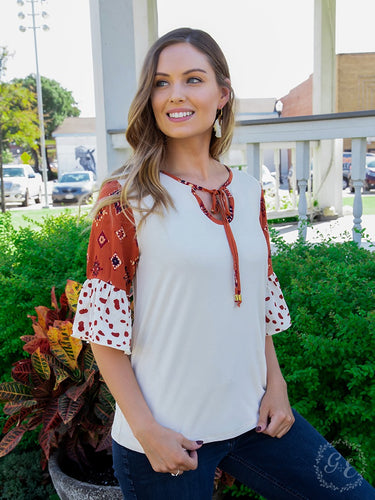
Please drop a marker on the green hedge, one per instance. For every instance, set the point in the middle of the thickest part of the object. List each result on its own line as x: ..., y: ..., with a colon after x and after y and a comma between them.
x: 33, y: 259
x: 327, y: 356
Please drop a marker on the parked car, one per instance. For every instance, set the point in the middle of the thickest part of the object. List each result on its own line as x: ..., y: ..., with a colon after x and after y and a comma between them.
x: 21, y: 184
x: 346, y: 165
x: 369, y: 182
x: 268, y: 179
x: 74, y: 187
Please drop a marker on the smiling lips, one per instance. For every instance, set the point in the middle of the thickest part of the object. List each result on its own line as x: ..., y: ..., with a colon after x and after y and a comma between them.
x: 179, y: 115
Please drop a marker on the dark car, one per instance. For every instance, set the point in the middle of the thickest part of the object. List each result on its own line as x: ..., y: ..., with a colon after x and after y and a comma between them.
x: 346, y: 166
x: 74, y: 187
x: 369, y: 182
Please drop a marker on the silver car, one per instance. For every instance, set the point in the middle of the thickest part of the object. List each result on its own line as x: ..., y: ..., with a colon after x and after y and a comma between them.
x: 21, y: 184
x: 74, y: 187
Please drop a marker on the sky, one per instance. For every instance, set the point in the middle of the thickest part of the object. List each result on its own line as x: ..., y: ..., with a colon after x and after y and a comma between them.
x: 268, y: 43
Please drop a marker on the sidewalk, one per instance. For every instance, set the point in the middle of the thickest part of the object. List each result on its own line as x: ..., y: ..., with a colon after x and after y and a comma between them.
x: 338, y: 230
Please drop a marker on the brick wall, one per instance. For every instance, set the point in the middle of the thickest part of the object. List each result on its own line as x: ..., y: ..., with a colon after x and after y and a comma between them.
x: 299, y: 100
x: 355, y: 89
x: 355, y: 82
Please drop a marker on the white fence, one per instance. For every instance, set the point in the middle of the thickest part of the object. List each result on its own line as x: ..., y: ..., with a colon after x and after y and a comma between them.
x: 298, y: 134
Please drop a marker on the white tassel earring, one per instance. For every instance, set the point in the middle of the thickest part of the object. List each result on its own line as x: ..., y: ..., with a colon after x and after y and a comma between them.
x: 217, y: 124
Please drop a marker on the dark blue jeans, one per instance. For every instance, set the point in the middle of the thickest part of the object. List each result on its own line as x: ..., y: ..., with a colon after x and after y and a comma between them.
x: 302, y: 464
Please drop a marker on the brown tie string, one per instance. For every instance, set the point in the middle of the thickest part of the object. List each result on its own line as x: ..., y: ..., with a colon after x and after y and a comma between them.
x: 222, y: 205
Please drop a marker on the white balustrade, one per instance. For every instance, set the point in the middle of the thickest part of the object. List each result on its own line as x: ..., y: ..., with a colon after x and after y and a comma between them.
x: 299, y: 134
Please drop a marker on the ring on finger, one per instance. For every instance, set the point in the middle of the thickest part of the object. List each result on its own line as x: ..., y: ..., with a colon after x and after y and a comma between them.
x: 177, y: 473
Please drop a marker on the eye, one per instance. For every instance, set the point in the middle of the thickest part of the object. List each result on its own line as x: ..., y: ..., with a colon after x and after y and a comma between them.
x: 161, y: 83
x: 194, y: 79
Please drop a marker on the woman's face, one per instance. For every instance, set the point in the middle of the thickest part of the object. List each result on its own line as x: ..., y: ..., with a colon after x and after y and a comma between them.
x: 185, y: 96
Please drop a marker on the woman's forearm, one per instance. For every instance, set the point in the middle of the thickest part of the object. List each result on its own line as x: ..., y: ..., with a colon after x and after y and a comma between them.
x: 118, y: 374
x: 274, y: 375
x: 167, y: 450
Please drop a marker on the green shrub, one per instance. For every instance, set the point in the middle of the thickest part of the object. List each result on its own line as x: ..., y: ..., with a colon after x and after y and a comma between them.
x: 327, y: 356
x: 32, y: 260
x: 21, y: 478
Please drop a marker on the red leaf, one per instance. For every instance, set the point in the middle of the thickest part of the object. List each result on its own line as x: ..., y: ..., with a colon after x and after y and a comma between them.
x: 54, y: 303
x: 68, y: 408
x: 52, y: 316
x: 51, y: 418
x: 27, y: 338
x: 21, y: 371
x: 47, y: 441
x: 106, y: 441
x: 11, y: 439
x: 16, y: 419
x: 75, y: 391
x: 64, y: 306
x: 13, y: 408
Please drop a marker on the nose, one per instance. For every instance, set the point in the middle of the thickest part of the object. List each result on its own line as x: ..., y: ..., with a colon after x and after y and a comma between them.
x: 175, y: 98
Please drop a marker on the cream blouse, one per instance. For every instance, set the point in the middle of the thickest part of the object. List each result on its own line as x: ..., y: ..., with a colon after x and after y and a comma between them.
x: 198, y: 356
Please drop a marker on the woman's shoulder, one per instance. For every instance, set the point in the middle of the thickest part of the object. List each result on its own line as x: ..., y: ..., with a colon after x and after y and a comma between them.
x: 110, y: 188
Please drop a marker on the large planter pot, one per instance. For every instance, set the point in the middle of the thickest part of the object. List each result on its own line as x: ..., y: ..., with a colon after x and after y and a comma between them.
x: 69, y: 488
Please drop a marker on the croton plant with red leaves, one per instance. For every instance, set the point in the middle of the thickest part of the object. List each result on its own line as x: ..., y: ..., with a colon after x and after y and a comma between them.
x: 57, y: 388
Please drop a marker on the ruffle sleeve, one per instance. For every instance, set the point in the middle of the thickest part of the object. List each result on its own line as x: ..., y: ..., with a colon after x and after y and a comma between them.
x: 277, y: 312
x: 104, y: 314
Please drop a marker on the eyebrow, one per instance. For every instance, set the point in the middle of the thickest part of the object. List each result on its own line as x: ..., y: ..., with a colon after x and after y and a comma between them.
x: 184, y: 73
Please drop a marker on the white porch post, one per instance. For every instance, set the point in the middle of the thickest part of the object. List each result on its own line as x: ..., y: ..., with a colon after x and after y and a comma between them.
x: 121, y: 31
x: 327, y: 164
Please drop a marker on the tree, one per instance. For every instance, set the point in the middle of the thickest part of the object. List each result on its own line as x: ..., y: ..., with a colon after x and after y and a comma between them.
x: 18, y: 118
x: 58, y: 103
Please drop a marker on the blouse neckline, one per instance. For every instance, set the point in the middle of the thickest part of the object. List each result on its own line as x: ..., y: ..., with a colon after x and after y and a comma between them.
x: 223, y: 204
x: 197, y: 186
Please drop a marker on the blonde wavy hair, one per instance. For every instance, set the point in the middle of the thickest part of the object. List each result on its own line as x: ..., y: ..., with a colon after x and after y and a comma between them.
x: 141, y: 172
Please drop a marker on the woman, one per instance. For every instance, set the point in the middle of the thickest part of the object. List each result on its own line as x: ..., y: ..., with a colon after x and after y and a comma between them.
x: 195, y: 375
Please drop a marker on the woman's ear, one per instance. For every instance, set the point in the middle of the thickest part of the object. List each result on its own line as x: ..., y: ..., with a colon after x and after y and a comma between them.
x: 225, y: 94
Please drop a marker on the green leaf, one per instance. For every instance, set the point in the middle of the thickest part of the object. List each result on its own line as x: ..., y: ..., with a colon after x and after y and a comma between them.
x: 40, y: 365
x: 63, y: 346
x: 89, y: 362
x: 72, y: 291
x: 15, y: 392
x: 60, y: 375
x: 106, y: 398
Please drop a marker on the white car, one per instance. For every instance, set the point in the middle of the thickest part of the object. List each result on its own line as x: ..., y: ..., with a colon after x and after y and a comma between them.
x: 21, y: 184
x: 268, y: 180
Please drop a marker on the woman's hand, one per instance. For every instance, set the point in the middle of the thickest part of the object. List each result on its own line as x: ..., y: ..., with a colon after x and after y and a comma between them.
x: 275, y: 414
x: 169, y: 451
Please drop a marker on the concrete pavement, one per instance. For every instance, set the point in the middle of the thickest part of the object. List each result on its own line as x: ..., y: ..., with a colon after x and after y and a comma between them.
x: 337, y: 230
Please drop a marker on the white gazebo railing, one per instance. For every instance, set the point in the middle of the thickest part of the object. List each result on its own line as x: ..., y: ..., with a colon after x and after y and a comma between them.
x: 301, y: 134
